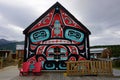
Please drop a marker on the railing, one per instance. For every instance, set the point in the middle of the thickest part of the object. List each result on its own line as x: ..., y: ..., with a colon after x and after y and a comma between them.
x: 1, y: 62
x: 20, y: 61
x: 89, y: 68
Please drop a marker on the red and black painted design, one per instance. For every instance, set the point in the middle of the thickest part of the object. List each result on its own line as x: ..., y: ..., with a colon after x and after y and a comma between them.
x: 56, y: 37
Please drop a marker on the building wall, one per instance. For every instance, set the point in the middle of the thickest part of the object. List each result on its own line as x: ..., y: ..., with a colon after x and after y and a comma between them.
x: 19, y: 54
x: 55, y: 39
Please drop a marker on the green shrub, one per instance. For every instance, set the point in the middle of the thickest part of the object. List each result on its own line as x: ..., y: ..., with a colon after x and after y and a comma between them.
x: 116, y: 63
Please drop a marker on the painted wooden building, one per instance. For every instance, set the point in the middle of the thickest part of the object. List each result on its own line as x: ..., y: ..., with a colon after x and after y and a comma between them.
x: 56, y: 37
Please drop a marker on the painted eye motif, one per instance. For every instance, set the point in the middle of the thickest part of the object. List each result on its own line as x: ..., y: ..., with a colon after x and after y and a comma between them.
x: 40, y: 35
x: 74, y: 35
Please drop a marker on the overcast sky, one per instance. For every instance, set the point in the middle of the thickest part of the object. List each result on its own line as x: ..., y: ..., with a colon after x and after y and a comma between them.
x: 101, y: 17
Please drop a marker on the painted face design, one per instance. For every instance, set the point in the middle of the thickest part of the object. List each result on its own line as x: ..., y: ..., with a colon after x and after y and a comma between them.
x: 40, y: 35
x: 55, y: 39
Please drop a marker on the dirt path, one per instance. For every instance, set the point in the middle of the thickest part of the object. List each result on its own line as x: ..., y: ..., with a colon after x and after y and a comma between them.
x: 8, y: 73
x: 12, y: 73
x: 61, y: 76
x: 116, y: 72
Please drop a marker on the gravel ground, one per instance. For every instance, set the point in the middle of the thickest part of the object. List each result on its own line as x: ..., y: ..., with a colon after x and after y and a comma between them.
x: 116, y: 72
x: 12, y: 73
x: 8, y: 73
x: 61, y: 76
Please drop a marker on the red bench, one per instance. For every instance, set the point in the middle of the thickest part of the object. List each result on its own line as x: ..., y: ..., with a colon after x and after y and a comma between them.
x: 25, y: 68
x: 38, y: 68
x: 24, y: 71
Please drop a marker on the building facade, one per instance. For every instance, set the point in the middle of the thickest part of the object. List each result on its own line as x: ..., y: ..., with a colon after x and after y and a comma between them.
x: 56, y: 37
x: 95, y: 53
x: 19, y: 51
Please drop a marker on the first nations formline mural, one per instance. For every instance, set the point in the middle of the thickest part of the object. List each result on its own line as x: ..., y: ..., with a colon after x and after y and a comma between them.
x: 56, y: 37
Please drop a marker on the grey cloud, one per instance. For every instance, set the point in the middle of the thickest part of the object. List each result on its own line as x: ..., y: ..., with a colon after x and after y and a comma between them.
x: 22, y: 16
x: 101, y: 17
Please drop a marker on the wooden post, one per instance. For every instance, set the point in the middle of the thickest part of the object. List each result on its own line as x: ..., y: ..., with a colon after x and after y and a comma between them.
x: 68, y: 68
x: 1, y: 62
x: 110, y: 62
x: 17, y: 54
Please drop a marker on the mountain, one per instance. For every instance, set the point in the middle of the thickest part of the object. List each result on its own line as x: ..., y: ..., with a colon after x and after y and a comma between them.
x: 4, y: 41
x: 9, y: 45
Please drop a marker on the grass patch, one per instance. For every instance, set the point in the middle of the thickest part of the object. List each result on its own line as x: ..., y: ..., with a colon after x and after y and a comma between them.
x: 116, y: 64
x: 8, y: 63
x: 117, y: 68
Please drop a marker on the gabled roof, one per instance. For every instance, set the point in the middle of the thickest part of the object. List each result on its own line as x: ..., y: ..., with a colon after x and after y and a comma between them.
x: 43, y: 15
x: 97, y: 50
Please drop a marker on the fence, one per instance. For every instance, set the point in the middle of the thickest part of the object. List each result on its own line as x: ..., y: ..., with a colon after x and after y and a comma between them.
x: 20, y: 61
x: 1, y: 62
x: 89, y: 68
